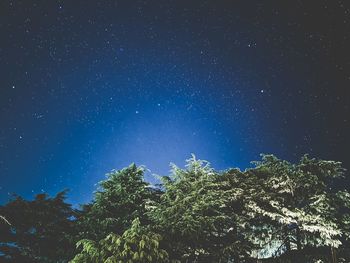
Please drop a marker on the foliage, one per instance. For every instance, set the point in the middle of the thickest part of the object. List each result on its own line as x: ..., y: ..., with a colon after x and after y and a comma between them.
x: 136, y: 245
x: 41, y: 230
x: 276, y: 211
x: 196, y: 215
x: 296, y: 203
x: 121, y: 198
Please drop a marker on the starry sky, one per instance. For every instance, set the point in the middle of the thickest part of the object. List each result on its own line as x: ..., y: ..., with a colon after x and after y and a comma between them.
x: 91, y: 86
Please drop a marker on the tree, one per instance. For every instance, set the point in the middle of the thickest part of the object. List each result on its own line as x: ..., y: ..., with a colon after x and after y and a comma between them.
x: 41, y: 230
x: 136, y: 245
x: 239, y: 187
x: 291, y: 212
x: 294, y: 202
x: 121, y: 198
x: 196, y: 215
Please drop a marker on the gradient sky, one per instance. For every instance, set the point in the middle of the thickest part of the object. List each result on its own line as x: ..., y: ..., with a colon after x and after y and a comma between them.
x: 91, y: 86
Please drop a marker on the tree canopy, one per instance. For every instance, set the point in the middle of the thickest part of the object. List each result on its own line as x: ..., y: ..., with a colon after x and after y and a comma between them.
x: 276, y: 210
x: 41, y: 230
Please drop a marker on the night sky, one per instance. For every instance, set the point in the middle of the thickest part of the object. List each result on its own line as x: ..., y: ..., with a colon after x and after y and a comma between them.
x: 91, y: 86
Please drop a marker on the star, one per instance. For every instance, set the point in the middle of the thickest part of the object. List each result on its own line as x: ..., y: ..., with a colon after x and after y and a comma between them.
x: 110, y: 77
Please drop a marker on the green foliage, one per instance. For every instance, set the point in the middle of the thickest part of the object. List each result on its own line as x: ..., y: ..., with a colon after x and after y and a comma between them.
x: 136, y: 245
x: 296, y: 202
x: 196, y: 215
x: 121, y: 198
x: 278, y: 210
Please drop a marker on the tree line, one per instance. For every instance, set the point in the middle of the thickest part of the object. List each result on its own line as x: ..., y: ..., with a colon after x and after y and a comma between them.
x: 276, y: 211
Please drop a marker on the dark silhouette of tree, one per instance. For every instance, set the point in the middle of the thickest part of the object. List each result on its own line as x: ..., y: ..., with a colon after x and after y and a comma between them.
x: 41, y: 230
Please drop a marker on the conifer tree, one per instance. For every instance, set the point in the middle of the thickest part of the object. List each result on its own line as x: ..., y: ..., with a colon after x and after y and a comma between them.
x: 195, y: 217
x: 136, y: 245
x: 41, y: 230
x: 120, y: 199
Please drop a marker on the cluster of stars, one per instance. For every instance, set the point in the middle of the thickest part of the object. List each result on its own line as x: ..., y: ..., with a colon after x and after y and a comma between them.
x: 93, y: 88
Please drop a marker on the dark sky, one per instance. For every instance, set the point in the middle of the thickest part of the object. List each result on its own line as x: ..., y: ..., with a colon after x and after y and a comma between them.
x: 91, y: 86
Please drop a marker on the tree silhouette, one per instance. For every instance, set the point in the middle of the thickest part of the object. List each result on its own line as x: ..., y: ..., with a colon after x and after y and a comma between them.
x: 41, y: 230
